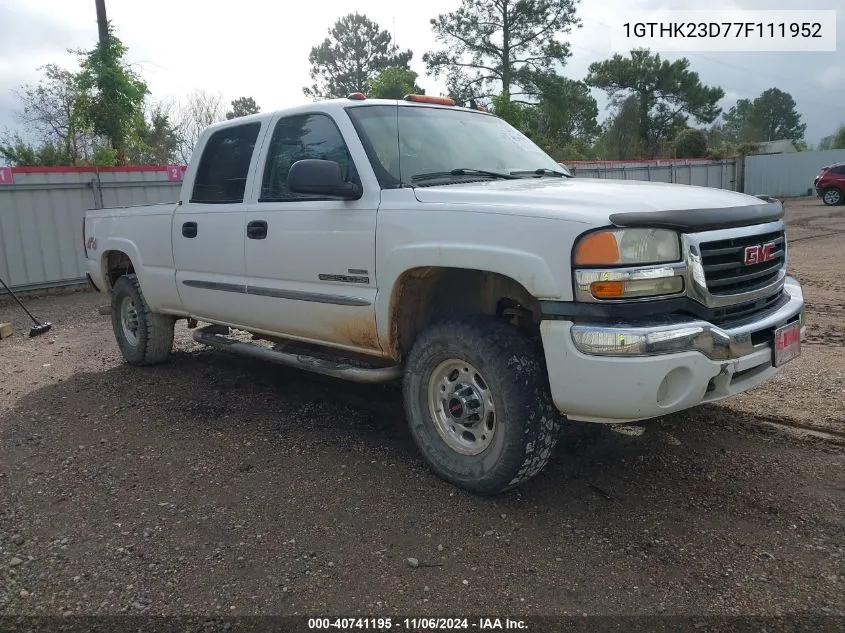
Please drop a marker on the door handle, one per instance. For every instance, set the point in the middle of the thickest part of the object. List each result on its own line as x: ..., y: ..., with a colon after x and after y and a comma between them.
x: 189, y: 229
x: 256, y: 230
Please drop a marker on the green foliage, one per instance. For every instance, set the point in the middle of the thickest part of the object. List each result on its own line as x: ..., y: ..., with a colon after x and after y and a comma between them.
x: 504, y: 108
x: 835, y: 140
x: 52, y: 112
x: 104, y: 156
x: 738, y: 123
x: 772, y: 116
x: 243, y: 106
x: 17, y: 153
x: 691, y: 143
x: 667, y: 94
x: 619, y: 139
x: 745, y: 149
x: 565, y: 115
x: 111, y: 94
x: 775, y: 114
x: 495, y: 45
x: 347, y: 61
x: 394, y: 83
x: 157, y: 139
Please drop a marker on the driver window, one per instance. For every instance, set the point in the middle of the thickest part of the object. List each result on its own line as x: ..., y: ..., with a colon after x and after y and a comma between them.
x: 297, y: 138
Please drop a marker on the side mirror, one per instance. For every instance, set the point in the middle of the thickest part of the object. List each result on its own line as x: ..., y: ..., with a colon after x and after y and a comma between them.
x: 321, y: 178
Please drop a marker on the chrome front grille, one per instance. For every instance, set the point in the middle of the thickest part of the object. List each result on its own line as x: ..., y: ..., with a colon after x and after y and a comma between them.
x: 725, y: 270
x: 718, y: 276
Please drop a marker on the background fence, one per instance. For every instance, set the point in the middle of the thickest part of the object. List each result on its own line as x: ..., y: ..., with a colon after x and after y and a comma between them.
x: 787, y: 174
x: 42, y: 210
x: 721, y: 174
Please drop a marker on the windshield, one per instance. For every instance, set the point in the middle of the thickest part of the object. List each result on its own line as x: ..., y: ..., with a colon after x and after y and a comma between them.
x: 414, y: 145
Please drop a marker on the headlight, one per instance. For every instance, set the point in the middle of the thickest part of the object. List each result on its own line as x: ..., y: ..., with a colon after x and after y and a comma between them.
x: 626, y: 247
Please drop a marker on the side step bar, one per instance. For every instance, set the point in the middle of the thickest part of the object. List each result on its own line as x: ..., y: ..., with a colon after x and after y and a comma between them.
x: 212, y: 335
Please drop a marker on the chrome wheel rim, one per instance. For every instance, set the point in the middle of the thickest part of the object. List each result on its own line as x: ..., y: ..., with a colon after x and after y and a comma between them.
x: 832, y: 196
x: 129, y: 321
x: 462, y: 407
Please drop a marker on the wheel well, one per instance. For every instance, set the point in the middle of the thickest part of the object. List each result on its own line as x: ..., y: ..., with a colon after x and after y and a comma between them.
x: 422, y: 295
x: 117, y: 264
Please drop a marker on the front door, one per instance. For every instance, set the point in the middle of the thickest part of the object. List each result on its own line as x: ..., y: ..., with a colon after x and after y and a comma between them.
x: 310, y: 261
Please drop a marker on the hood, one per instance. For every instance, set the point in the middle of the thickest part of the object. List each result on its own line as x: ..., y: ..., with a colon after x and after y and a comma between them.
x: 587, y: 200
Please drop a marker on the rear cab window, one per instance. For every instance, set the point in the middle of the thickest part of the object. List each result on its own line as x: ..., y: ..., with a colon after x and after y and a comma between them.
x: 224, y: 165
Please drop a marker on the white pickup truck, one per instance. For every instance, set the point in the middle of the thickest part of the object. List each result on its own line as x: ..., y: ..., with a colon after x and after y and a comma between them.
x: 418, y: 241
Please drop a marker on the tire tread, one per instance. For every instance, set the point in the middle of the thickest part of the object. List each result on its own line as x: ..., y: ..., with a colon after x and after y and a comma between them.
x: 158, y: 339
x: 516, y: 362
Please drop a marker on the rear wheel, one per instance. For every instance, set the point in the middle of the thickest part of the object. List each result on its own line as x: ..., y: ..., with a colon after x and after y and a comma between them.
x: 144, y: 338
x: 832, y: 197
x: 478, y: 404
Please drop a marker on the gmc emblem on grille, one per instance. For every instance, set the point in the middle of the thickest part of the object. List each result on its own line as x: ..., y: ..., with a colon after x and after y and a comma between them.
x: 759, y: 253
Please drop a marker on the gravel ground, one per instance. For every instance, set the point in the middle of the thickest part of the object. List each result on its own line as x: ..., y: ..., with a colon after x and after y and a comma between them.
x: 219, y: 485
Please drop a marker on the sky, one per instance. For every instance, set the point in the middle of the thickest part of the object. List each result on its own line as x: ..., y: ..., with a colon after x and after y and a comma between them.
x: 260, y: 48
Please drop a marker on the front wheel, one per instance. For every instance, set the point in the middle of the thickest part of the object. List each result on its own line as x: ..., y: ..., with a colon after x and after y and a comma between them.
x: 832, y: 197
x: 144, y: 337
x: 478, y: 404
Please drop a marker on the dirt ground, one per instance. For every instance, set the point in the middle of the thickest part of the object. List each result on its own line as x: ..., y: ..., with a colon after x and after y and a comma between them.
x: 217, y: 485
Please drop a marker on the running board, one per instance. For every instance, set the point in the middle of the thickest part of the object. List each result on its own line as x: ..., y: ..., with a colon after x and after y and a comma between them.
x: 213, y: 335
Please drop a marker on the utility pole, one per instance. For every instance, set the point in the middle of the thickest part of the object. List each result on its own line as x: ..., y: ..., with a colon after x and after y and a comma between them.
x: 102, y: 22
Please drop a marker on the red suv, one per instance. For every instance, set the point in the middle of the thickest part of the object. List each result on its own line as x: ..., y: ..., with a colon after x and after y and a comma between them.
x: 830, y: 184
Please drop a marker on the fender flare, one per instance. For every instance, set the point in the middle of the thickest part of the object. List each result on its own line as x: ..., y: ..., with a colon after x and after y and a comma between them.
x: 122, y: 245
x: 527, y: 269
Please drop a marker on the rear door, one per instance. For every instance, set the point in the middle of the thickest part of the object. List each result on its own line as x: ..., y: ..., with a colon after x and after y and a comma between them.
x: 208, y: 227
x: 310, y: 260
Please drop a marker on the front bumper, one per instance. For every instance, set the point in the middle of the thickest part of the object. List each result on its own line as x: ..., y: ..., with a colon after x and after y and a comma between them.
x: 622, y: 372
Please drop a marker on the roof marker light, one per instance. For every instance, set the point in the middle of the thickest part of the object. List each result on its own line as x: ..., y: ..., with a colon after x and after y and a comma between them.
x: 427, y: 99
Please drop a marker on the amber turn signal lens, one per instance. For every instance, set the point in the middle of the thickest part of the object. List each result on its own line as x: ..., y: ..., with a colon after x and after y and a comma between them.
x: 607, y: 289
x: 598, y: 249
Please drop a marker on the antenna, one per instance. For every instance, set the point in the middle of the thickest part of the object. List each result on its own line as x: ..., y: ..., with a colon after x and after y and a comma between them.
x: 394, y: 31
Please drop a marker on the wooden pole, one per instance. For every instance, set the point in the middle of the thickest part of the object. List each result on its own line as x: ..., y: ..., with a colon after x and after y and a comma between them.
x: 102, y: 22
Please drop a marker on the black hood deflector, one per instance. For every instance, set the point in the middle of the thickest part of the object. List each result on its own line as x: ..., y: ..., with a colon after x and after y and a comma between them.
x: 695, y: 220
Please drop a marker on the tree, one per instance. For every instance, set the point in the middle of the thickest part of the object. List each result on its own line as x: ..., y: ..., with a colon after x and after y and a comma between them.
x: 772, y: 116
x: 52, y: 114
x: 158, y: 138
x: 620, y: 139
x: 738, y: 122
x: 565, y: 116
x: 835, y: 140
x: 18, y: 153
x: 667, y: 93
x: 199, y: 110
x: 394, y: 83
x: 243, y: 106
x: 504, y: 108
x: 111, y: 93
x: 775, y: 115
x: 691, y: 143
x: 347, y: 61
x: 494, y: 45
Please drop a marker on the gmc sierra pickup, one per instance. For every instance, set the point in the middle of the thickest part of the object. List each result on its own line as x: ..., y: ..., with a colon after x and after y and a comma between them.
x: 415, y: 240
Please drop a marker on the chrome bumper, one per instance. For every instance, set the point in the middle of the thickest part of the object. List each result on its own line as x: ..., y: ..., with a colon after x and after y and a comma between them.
x: 670, y: 335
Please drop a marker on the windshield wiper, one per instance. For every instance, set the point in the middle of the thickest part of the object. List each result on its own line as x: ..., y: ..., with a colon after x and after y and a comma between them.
x: 542, y: 171
x: 462, y: 171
